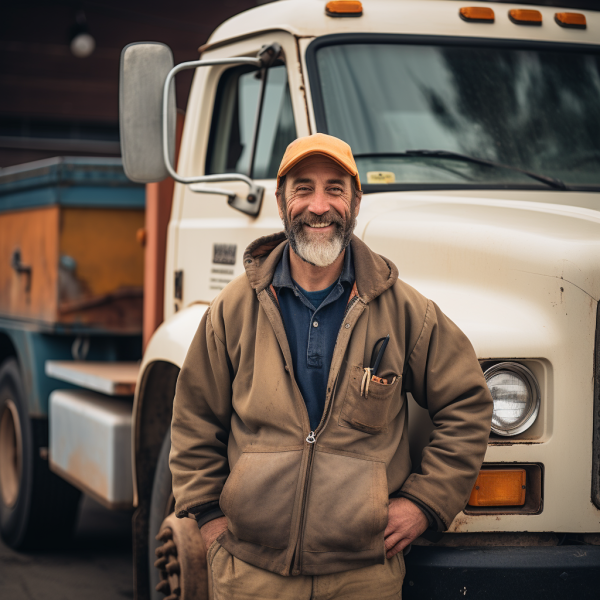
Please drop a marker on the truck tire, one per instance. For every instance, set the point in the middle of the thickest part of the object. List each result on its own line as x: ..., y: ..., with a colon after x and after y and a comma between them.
x: 37, y: 508
x: 161, y: 505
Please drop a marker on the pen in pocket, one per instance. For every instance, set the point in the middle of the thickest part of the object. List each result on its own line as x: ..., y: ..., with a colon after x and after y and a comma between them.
x: 371, y: 371
x: 375, y: 364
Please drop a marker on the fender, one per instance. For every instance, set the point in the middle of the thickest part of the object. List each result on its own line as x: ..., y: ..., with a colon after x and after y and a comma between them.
x: 170, y: 342
x: 155, y: 387
x: 152, y: 409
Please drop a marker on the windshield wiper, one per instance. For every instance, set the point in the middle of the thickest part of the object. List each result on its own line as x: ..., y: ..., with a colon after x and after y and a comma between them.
x: 550, y: 181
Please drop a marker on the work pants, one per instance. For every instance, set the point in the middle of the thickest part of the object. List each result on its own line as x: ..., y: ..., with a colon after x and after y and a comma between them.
x: 230, y: 578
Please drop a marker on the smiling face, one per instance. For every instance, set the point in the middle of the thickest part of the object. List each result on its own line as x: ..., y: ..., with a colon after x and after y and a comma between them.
x: 318, y: 204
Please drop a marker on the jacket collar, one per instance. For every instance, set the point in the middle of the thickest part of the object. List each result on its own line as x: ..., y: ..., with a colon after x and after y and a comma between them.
x: 374, y: 273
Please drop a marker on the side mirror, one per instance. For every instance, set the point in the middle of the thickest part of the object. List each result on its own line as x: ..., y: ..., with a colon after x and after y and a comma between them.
x: 147, y: 117
x: 144, y: 69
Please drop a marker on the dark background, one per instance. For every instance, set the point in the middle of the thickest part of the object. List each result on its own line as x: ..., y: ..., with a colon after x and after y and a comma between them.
x: 53, y: 103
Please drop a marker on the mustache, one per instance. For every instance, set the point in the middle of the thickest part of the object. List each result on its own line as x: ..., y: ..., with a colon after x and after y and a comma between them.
x: 311, y: 219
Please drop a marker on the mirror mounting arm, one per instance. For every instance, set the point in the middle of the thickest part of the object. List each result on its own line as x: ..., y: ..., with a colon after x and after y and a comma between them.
x: 249, y: 205
x: 268, y: 54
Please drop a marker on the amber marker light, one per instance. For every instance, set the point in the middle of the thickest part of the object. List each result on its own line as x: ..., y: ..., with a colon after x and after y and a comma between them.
x: 499, y: 487
x: 344, y: 8
x: 476, y: 14
x: 574, y: 20
x: 521, y: 16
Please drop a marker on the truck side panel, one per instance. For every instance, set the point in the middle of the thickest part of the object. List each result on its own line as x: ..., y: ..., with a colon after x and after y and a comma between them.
x: 33, y: 234
x: 33, y: 348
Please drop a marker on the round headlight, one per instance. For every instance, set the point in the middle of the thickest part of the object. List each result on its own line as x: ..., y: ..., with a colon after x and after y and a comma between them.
x: 516, y: 396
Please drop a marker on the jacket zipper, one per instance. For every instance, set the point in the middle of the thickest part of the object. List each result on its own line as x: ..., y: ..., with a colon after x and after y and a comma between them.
x: 294, y: 557
x: 311, y: 440
x: 297, y: 557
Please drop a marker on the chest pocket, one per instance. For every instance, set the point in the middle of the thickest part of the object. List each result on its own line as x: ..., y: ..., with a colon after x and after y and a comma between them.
x: 370, y: 404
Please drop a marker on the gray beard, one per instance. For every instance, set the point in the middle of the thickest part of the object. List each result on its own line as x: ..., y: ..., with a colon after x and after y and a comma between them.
x: 319, y: 253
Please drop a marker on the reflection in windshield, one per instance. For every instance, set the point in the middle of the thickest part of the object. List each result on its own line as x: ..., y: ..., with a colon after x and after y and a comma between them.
x: 534, y: 109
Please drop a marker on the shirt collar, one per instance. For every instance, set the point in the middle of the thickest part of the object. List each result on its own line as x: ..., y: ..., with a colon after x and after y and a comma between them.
x: 283, y: 275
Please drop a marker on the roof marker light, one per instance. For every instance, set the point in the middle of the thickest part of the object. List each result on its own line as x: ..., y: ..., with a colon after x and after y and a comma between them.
x: 568, y: 19
x: 476, y: 14
x: 344, y: 8
x: 522, y: 16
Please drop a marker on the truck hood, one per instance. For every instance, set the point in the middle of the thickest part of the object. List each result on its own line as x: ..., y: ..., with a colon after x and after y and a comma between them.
x: 516, y: 256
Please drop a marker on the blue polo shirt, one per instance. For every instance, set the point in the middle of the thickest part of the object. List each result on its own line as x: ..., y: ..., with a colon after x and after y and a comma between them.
x: 312, y: 321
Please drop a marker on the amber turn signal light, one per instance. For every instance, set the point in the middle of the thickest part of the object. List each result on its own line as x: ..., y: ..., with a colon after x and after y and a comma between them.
x: 499, y: 487
x: 344, y: 8
x: 476, y: 14
x: 521, y: 16
x: 574, y: 20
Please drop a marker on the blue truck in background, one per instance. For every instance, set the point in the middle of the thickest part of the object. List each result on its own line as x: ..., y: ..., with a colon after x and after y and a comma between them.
x: 71, y: 294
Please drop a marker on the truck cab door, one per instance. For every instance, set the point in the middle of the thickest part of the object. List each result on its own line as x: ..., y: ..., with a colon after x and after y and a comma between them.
x: 212, y: 234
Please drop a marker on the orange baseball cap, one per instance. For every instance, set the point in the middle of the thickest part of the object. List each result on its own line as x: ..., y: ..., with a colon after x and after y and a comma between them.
x: 319, y: 143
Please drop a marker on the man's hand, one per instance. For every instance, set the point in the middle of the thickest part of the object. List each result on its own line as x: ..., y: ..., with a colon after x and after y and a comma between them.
x: 212, y: 530
x: 406, y: 522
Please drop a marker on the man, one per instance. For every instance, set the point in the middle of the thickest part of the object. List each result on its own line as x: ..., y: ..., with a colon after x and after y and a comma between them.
x: 288, y: 448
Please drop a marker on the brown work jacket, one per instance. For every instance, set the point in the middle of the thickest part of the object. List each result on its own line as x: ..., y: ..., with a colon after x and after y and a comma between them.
x: 240, y: 425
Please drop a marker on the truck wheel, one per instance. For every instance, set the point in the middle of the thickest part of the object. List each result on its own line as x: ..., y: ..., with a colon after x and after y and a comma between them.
x: 162, y: 504
x: 176, y: 556
x: 36, y: 507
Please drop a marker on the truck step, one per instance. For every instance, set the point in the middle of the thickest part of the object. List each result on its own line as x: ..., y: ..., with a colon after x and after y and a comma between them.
x: 90, y: 444
x: 111, y: 378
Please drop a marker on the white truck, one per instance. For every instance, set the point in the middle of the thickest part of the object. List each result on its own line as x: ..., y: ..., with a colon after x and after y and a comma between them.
x: 476, y: 131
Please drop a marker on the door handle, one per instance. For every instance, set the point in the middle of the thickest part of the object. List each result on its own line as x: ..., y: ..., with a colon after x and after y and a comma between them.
x: 20, y: 268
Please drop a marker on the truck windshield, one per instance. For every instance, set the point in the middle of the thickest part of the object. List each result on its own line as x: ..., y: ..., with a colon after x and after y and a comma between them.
x: 537, y: 109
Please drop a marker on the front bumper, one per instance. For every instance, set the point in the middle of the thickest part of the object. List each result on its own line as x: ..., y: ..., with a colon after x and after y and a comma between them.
x: 503, y: 573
